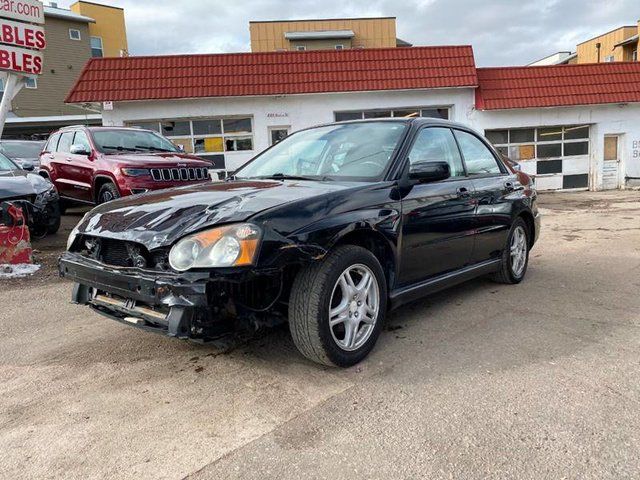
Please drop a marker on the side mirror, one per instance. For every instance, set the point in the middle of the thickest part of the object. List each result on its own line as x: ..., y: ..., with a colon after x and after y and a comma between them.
x: 79, y: 150
x: 27, y: 166
x: 429, y: 171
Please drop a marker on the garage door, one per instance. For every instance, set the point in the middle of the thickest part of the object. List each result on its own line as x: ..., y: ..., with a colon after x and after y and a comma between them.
x: 557, y: 157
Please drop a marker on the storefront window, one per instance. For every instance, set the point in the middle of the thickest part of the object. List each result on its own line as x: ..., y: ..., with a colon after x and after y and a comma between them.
x: 209, y: 138
x: 405, y: 112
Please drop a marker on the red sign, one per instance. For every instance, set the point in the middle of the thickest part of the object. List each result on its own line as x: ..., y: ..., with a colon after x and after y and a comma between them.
x: 22, y: 35
x: 20, y: 60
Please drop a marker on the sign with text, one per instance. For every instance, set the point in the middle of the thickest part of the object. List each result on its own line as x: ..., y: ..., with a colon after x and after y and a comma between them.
x: 20, y: 60
x: 31, y: 11
x: 22, y: 35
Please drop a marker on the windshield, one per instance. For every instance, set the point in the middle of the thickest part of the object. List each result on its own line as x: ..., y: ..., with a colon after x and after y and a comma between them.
x: 114, y: 141
x: 22, y: 149
x: 351, y: 151
x: 6, y: 164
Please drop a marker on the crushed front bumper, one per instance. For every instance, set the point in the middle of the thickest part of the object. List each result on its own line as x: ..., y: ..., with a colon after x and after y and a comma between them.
x: 165, y: 302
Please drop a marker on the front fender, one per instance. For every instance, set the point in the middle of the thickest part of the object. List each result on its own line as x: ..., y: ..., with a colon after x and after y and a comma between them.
x: 312, y: 242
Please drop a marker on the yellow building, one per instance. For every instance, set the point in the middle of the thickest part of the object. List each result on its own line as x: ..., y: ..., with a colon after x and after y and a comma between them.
x: 619, y: 45
x: 338, y: 34
x: 108, y: 32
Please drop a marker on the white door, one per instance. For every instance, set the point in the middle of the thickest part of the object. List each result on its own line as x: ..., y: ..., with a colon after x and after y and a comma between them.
x: 611, y: 169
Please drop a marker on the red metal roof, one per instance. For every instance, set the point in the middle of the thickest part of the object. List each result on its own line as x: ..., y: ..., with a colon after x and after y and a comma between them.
x: 276, y: 73
x: 558, y: 85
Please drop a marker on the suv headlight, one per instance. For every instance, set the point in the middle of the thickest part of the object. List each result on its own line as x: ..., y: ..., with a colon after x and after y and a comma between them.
x: 229, y: 246
x: 136, y: 172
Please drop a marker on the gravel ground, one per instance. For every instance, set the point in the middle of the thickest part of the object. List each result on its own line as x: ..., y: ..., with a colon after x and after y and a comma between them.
x: 539, y: 380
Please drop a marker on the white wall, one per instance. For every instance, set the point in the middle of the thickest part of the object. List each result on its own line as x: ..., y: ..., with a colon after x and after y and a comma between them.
x: 301, y: 111
x: 604, y: 119
x: 297, y: 111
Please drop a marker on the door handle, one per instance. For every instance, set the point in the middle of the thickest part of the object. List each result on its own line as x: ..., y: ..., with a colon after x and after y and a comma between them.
x: 68, y: 159
x: 463, y: 192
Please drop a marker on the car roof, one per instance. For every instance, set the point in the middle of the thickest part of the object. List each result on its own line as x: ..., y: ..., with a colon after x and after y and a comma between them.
x: 416, y: 121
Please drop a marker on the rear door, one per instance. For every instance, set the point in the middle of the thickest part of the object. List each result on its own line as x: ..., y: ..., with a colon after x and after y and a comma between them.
x: 74, y: 178
x: 492, y: 184
x: 437, y: 217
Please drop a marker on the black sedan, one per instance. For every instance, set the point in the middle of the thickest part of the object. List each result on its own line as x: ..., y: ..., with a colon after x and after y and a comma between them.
x: 328, y: 230
x: 36, y: 195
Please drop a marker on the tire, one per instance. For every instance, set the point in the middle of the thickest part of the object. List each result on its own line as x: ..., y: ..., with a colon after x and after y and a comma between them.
x: 320, y: 287
x: 107, y: 193
x: 511, y: 272
x: 53, y: 212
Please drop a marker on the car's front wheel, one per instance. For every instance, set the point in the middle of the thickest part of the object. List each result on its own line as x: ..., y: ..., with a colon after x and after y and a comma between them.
x: 107, y: 193
x: 337, y: 307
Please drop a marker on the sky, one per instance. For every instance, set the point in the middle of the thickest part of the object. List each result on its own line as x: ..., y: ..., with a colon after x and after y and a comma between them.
x: 502, y: 32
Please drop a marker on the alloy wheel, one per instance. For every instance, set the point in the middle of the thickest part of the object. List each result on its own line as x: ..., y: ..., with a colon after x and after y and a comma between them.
x: 518, y: 251
x: 354, y: 308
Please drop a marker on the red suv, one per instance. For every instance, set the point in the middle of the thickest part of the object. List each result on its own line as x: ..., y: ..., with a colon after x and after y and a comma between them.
x: 97, y: 164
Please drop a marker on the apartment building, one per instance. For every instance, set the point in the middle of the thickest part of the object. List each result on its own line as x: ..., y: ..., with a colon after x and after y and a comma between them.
x: 74, y: 36
x: 324, y: 34
x: 618, y: 45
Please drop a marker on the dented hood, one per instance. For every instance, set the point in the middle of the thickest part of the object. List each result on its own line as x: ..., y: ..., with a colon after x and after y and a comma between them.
x: 160, y: 218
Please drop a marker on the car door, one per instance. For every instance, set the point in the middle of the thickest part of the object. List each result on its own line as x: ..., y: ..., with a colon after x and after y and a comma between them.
x: 437, y: 217
x: 492, y: 184
x: 74, y: 178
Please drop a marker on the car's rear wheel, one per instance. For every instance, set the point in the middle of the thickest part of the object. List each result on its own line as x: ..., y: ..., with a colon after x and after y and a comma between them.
x: 107, y: 193
x: 515, y: 257
x: 337, y: 307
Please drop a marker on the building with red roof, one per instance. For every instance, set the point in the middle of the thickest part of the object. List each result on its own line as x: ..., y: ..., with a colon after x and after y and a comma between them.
x: 571, y: 126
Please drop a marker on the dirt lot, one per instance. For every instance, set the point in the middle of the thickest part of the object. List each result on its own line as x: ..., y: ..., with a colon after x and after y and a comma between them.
x: 540, y: 380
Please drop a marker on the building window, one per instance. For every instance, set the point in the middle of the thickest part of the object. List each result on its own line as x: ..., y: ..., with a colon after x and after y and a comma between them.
x: 96, y: 47
x: 31, y: 82
x: 542, y: 143
x: 74, y: 34
x: 634, y: 56
x: 301, y: 48
x: 405, y: 112
x: 277, y: 134
x: 609, y: 58
x: 339, y: 47
x: 208, y: 138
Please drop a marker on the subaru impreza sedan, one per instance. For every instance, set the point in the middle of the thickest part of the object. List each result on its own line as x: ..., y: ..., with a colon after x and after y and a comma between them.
x: 327, y: 230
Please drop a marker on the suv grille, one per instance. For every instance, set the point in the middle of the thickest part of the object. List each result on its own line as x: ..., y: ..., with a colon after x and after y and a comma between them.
x: 179, y: 174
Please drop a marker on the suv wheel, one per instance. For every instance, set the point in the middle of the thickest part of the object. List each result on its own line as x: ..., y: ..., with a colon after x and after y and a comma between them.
x: 107, y: 193
x: 515, y: 258
x: 337, y: 307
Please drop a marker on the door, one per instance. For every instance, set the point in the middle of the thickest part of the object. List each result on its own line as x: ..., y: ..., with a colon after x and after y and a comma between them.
x: 492, y: 184
x: 611, y: 167
x: 75, y: 171
x: 437, y: 217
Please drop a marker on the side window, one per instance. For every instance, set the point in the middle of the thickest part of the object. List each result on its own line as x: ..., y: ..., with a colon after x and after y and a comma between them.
x: 477, y: 157
x: 81, y: 139
x: 436, y: 144
x: 65, y: 142
x: 52, y: 144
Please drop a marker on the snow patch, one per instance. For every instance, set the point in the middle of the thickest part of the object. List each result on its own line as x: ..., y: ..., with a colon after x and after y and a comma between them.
x: 18, y: 271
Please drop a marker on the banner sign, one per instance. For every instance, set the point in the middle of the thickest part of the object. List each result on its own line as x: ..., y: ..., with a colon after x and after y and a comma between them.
x: 31, y: 11
x: 20, y: 60
x: 22, y: 35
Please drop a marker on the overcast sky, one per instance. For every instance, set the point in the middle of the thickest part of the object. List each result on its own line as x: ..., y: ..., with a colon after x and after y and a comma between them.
x: 502, y: 32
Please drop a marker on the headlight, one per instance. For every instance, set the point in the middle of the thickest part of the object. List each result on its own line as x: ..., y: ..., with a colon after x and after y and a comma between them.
x: 230, y: 246
x: 135, y: 172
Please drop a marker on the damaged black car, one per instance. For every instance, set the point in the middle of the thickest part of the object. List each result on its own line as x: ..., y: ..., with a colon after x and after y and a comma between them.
x: 327, y: 230
x: 37, y: 197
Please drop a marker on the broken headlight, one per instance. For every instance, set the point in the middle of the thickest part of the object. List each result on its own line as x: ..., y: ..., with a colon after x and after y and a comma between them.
x: 229, y: 246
